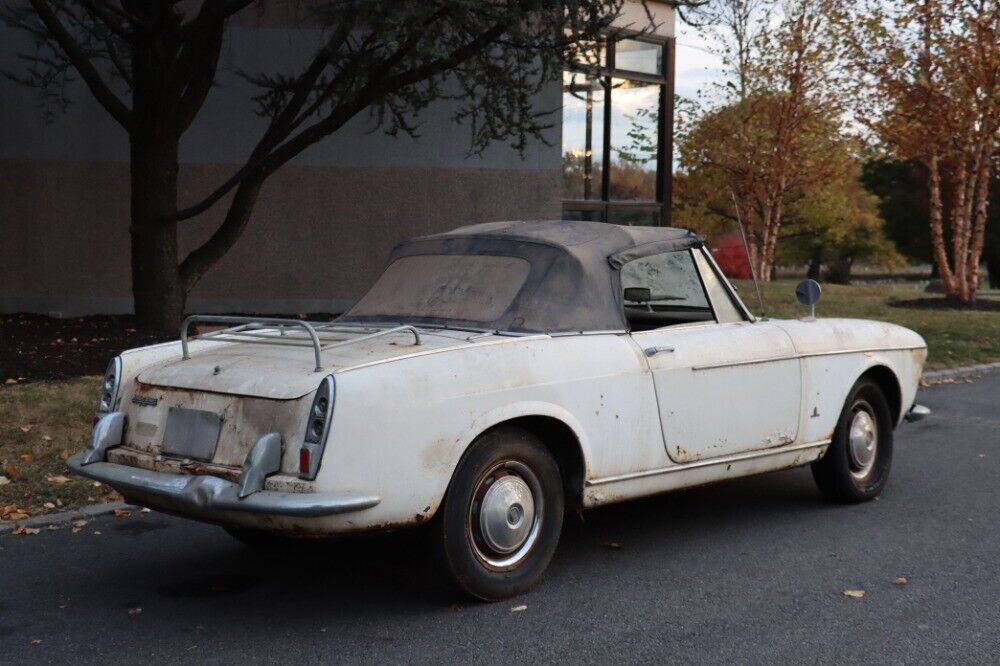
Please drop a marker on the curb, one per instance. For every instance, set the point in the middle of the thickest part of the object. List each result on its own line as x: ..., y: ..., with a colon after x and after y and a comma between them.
x: 964, y: 372
x: 53, y: 520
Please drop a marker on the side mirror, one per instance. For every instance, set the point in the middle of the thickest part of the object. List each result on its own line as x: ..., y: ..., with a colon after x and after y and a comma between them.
x: 638, y: 294
x: 807, y: 293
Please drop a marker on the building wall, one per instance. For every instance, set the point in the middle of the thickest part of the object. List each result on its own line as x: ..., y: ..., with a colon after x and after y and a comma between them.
x: 321, y: 229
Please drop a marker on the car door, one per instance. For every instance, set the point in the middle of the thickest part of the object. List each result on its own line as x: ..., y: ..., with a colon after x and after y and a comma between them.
x: 724, y: 384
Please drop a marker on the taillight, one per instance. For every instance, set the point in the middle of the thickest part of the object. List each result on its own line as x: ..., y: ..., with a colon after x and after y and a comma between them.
x: 317, y: 429
x: 304, y: 461
x: 109, y: 386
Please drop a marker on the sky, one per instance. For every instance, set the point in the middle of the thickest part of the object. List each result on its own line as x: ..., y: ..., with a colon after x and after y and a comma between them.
x: 695, y: 66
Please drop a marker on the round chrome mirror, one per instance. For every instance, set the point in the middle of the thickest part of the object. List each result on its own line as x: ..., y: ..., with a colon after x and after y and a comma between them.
x: 808, y: 292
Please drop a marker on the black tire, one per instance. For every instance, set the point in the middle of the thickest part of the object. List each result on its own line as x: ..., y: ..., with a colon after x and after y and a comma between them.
x: 257, y: 539
x: 841, y: 474
x: 462, y: 540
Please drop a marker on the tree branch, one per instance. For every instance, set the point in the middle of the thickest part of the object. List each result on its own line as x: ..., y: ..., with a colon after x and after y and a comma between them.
x: 83, y: 65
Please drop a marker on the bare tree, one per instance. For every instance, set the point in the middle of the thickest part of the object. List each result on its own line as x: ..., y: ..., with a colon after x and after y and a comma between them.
x: 927, y: 84
x: 151, y: 64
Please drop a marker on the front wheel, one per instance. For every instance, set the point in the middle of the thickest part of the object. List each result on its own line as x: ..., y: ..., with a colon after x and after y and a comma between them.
x: 502, y: 516
x: 856, y: 465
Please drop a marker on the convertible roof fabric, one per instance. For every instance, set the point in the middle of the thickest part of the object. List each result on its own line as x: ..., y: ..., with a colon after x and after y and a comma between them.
x: 572, y: 285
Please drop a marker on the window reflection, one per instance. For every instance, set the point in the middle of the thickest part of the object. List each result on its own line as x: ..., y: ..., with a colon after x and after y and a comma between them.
x: 634, y: 140
x: 637, y: 56
x: 583, y: 120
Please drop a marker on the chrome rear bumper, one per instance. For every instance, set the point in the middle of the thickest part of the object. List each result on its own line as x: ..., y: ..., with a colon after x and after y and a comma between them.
x: 181, y: 492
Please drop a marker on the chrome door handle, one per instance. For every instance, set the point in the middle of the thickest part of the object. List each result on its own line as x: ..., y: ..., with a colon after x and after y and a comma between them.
x: 653, y: 351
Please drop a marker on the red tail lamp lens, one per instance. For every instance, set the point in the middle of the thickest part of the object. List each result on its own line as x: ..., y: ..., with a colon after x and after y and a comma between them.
x: 304, y: 460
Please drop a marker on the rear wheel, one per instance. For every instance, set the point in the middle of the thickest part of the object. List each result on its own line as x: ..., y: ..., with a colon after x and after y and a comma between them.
x: 502, y: 516
x: 856, y: 465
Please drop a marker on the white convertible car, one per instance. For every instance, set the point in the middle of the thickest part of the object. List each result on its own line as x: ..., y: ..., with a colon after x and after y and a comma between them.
x: 493, y: 377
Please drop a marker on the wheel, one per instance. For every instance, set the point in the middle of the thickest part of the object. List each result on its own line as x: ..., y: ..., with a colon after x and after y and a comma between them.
x: 856, y: 465
x: 258, y: 539
x: 502, y: 515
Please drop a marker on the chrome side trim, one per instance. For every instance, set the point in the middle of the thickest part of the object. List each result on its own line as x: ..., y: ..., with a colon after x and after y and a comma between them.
x: 739, y: 457
x: 792, y: 357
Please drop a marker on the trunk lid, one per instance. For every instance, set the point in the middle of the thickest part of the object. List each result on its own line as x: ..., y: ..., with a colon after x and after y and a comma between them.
x: 281, y: 372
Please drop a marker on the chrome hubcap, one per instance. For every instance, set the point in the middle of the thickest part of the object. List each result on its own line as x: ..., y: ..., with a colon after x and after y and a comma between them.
x: 862, y: 443
x: 506, y: 514
x: 504, y: 519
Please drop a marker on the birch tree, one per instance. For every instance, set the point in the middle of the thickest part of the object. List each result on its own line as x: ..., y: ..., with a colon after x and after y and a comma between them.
x: 927, y: 84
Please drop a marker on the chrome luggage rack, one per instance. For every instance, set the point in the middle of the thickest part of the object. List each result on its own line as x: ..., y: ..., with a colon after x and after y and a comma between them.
x: 252, y: 330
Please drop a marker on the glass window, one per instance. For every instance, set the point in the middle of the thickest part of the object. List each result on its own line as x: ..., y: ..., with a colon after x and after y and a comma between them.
x: 725, y: 309
x: 635, y: 119
x: 583, y: 136
x: 459, y: 287
x: 634, y: 216
x: 583, y: 214
x: 638, y: 56
x: 672, y: 280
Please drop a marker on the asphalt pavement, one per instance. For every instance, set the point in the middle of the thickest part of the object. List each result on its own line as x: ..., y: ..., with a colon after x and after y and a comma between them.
x: 752, y: 571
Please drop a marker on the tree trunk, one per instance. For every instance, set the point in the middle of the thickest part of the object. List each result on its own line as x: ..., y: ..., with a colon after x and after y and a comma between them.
x: 815, y: 266
x: 158, y: 291
x: 937, y: 226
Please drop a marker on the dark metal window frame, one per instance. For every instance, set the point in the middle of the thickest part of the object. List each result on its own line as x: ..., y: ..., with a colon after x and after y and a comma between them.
x: 665, y: 141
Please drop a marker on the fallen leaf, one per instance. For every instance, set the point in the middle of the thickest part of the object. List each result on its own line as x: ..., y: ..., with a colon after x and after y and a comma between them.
x: 25, y: 428
x: 611, y: 545
x: 10, y: 470
x: 10, y: 381
x: 145, y: 509
x: 36, y: 641
x: 97, y: 533
x: 26, y: 530
x: 518, y: 609
x: 59, y: 479
x: 27, y: 457
x: 901, y: 581
x: 46, y: 438
x: 79, y: 523
x: 122, y: 513
x: 49, y: 505
x: 17, y: 515
x: 856, y: 594
x: 97, y: 484
x: 4, y: 480
x: 135, y: 611
x: 64, y: 455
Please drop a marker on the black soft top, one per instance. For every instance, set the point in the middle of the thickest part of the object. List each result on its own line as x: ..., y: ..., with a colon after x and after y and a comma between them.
x: 572, y: 284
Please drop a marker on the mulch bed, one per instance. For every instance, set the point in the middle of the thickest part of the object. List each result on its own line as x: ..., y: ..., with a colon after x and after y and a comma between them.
x: 981, y: 305
x: 34, y: 347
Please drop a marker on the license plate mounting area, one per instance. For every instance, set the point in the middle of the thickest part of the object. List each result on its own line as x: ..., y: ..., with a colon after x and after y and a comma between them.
x: 192, y: 433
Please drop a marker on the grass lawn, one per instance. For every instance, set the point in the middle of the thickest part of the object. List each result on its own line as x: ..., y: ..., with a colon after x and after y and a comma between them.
x: 42, y: 423
x: 954, y: 337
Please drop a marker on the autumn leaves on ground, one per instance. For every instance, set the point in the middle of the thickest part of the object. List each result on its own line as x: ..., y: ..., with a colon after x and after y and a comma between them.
x: 41, y: 424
